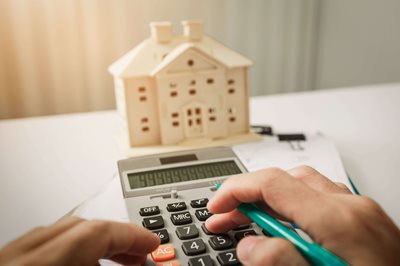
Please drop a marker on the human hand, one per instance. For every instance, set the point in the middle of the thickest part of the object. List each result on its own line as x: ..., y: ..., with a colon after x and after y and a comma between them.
x: 355, y: 228
x: 75, y: 241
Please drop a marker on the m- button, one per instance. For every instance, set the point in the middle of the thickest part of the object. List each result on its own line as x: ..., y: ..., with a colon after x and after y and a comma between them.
x: 163, y: 253
x: 147, y: 211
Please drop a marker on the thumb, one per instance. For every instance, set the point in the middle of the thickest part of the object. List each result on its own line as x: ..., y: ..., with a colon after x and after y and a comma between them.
x: 260, y: 250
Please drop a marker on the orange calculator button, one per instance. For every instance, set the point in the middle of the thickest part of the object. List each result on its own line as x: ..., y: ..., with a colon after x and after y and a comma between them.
x: 169, y: 263
x: 163, y: 253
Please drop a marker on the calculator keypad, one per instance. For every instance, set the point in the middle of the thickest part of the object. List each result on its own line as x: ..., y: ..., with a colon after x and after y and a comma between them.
x: 188, y: 239
x: 187, y: 232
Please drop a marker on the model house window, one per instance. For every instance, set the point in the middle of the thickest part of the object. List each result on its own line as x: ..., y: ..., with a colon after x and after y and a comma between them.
x: 231, y: 81
x: 142, y: 89
x: 189, y: 112
x: 142, y: 98
x: 232, y: 110
x: 190, y: 62
x: 212, y: 118
x: 175, y: 123
x: 173, y: 93
x: 232, y: 119
x: 172, y: 85
x: 231, y: 91
x: 193, y: 82
x: 192, y: 91
x: 190, y: 122
x: 198, y: 121
x: 210, y: 81
x: 175, y: 115
x: 198, y: 111
x: 144, y: 120
x: 211, y: 110
x: 145, y: 129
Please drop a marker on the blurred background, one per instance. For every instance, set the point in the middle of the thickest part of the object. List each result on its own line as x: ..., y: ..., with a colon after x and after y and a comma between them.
x: 54, y: 54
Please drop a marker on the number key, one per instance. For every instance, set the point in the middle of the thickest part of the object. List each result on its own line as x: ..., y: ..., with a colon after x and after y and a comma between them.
x: 187, y: 232
x: 201, y: 261
x: 228, y: 258
x: 194, y: 247
x: 220, y: 242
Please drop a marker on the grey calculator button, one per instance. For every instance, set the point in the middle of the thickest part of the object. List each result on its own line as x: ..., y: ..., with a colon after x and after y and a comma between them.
x: 220, y: 242
x: 187, y: 231
x: 199, y: 203
x: 147, y: 211
x: 181, y: 218
x: 228, y: 258
x: 152, y: 223
x: 240, y: 235
x: 201, y: 261
x: 177, y: 206
x: 162, y: 235
x: 194, y: 247
x: 203, y: 214
x: 205, y: 230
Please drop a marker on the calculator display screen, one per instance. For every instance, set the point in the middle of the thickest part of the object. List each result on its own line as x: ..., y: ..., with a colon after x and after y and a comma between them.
x: 182, y: 173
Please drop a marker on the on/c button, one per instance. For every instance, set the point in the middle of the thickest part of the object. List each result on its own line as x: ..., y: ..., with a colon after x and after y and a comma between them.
x: 163, y: 253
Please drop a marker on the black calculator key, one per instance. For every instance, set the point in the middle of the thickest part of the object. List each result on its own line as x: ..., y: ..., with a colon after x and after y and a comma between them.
x: 162, y: 235
x: 152, y: 223
x: 220, y: 242
x: 240, y: 235
x: 205, y: 230
x: 201, y: 261
x: 199, y: 203
x: 242, y: 227
x: 228, y: 258
x: 187, y: 231
x: 203, y: 214
x: 194, y: 247
x: 266, y: 233
x: 177, y: 206
x: 147, y: 211
x: 181, y: 218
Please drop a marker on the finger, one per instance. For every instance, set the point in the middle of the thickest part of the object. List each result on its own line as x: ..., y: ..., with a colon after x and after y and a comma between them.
x: 259, y: 251
x: 125, y: 259
x: 40, y: 235
x: 344, y: 187
x: 85, y: 243
x: 284, y: 194
x: 316, y: 180
x: 219, y: 223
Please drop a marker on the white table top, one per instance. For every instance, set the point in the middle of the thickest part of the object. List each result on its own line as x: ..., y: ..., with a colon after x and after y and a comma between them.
x: 48, y: 165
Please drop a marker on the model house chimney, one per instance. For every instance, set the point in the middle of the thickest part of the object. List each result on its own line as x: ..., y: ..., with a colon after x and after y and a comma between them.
x: 193, y: 29
x: 161, y: 31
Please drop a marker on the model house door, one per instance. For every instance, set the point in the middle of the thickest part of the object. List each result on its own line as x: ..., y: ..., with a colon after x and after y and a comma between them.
x: 194, y: 122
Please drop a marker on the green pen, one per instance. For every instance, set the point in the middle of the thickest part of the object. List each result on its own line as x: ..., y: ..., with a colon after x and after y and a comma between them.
x: 314, y: 253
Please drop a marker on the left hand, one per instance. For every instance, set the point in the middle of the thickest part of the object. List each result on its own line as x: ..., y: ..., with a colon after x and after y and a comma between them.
x: 75, y: 241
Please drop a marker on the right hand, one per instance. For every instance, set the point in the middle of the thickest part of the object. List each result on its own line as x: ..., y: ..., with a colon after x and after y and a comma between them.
x: 353, y: 227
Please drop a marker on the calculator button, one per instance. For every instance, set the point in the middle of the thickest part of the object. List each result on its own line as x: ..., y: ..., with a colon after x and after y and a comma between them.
x: 203, y: 214
x: 181, y: 218
x: 147, y: 211
x: 221, y: 242
x: 151, y: 223
x: 199, y: 203
x: 163, y: 253
x: 242, y: 227
x: 187, y: 232
x: 169, y: 263
x: 205, y: 230
x: 201, y: 261
x: 228, y: 258
x: 240, y: 235
x: 177, y: 206
x: 194, y: 247
x: 162, y: 235
x: 266, y: 233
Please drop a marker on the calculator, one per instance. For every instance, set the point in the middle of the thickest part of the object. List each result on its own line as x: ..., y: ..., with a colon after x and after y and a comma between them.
x: 168, y: 194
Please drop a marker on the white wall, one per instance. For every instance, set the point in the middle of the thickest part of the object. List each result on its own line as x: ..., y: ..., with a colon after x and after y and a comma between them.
x: 358, y: 43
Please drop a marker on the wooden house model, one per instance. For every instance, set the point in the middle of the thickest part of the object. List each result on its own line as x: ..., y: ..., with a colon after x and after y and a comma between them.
x: 171, y: 89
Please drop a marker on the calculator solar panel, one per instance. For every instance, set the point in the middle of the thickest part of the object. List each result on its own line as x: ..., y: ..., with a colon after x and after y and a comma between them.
x: 168, y: 194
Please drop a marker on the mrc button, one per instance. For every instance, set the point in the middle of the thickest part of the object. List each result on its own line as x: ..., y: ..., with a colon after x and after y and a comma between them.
x: 147, y: 211
x: 181, y: 218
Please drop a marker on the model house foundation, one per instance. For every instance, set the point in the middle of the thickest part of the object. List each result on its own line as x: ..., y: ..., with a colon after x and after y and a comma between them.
x: 173, y: 88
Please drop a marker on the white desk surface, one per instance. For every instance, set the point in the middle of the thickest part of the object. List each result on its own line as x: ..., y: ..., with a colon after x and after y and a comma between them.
x: 48, y: 165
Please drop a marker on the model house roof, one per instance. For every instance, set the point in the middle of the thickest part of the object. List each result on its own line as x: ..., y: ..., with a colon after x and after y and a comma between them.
x: 162, y: 48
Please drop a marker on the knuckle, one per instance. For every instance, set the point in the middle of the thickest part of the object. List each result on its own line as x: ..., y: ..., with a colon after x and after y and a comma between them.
x: 306, y: 169
x: 270, y: 175
x: 368, y: 204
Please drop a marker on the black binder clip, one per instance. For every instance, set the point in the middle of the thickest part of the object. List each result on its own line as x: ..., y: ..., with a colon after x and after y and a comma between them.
x: 262, y: 130
x: 294, y: 140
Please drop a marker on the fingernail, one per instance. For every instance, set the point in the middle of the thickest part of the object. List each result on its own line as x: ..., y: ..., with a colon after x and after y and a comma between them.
x: 245, y: 247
